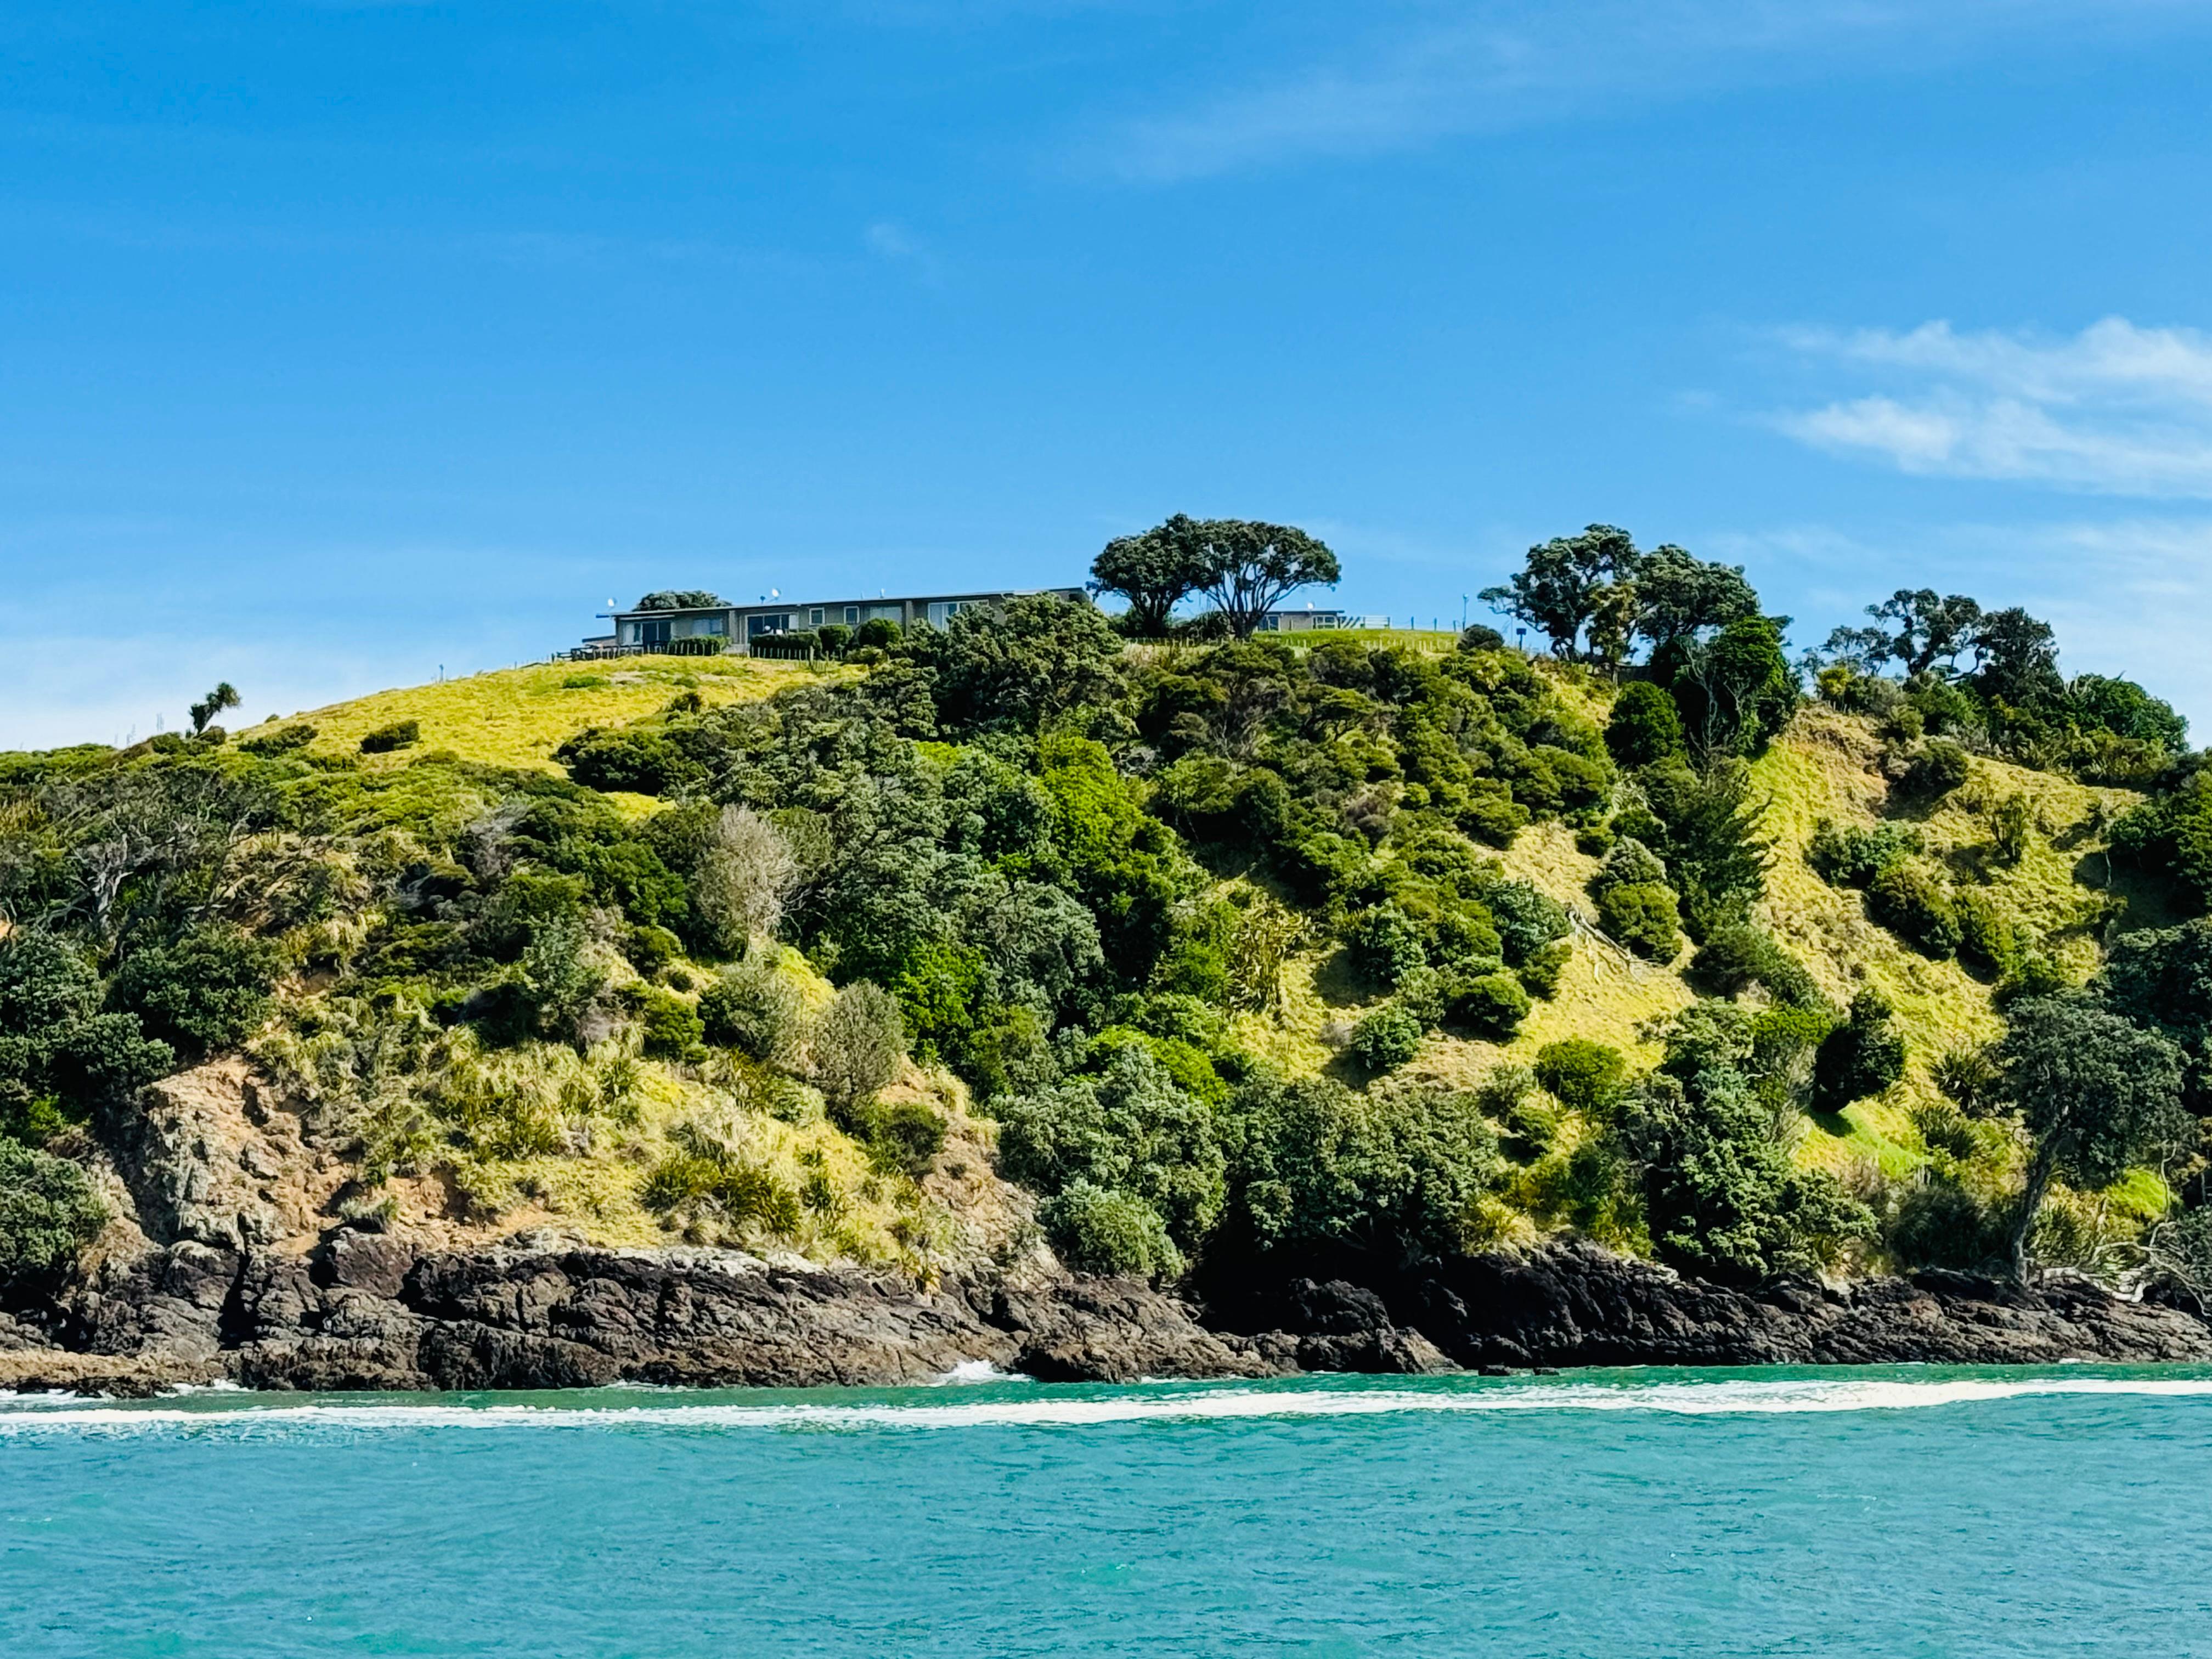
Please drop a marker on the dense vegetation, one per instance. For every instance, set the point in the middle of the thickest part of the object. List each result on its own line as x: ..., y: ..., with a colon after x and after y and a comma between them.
x: 765, y: 954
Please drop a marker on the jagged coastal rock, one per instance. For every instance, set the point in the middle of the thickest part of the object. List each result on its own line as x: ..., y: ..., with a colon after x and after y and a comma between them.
x: 365, y: 1310
x: 223, y: 1265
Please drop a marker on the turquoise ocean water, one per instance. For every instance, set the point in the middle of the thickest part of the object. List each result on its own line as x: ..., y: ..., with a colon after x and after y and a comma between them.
x: 1893, y: 1512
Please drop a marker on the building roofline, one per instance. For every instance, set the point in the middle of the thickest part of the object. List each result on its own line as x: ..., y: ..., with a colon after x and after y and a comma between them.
x: 826, y: 605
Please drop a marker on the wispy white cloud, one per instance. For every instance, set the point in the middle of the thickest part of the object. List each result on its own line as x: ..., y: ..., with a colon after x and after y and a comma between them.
x: 2128, y: 595
x: 1425, y: 72
x: 2117, y: 408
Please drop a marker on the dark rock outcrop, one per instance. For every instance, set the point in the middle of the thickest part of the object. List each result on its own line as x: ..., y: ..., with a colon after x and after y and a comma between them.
x: 1576, y: 1304
x: 371, y: 1311
x: 366, y: 1311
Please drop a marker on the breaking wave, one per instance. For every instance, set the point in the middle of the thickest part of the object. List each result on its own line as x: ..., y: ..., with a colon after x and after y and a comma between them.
x: 1032, y: 1407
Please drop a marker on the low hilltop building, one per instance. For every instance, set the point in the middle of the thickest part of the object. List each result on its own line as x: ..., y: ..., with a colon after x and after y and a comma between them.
x: 737, y: 628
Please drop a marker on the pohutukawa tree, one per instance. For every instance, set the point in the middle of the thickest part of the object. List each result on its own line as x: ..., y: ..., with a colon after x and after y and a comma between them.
x: 1246, y: 568
x: 1154, y: 571
x: 2096, y: 1092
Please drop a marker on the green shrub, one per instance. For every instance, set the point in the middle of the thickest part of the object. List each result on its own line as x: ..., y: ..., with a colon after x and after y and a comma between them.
x: 1644, y: 725
x: 2034, y: 974
x: 669, y: 1028
x: 639, y: 762
x: 834, y: 638
x: 856, y: 1047
x: 880, y: 632
x: 1541, y: 974
x: 281, y: 741
x: 1938, y: 1226
x: 1581, y: 1074
x: 206, y: 990
x: 1097, y: 1231
x: 44, y: 982
x: 1385, y: 1039
x: 1493, y: 1005
x: 1644, y: 918
x: 2011, y: 822
x: 1860, y: 1058
x: 1526, y: 920
x: 48, y: 1212
x: 1630, y: 863
x: 400, y: 734
x: 739, y: 1191
x: 1743, y: 954
x: 1847, y: 856
x: 1941, y: 766
x: 1967, y: 1076
x: 1385, y: 943
x: 1988, y: 940
x: 651, y: 949
x: 1911, y: 901
x: 1131, y: 1131
x: 903, y: 1137
x: 757, y: 1009
x: 103, y: 1057
x: 583, y: 682
x: 1426, y: 995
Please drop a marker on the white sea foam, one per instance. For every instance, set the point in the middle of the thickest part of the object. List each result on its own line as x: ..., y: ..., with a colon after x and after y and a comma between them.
x: 978, y: 1370
x: 1183, y: 1402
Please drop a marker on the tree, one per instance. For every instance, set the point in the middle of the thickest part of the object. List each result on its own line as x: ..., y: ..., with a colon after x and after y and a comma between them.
x: 1734, y: 692
x: 1016, y: 666
x: 857, y: 1046
x: 1706, y: 824
x: 225, y: 695
x: 679, y: 598
x: 2096, y: 1094
x: 744, y: 876
x: 1859, y: 1058
x: 1644, y: 725
x: 2017, y: 660
x: 1721, y: 1195
x: 48, y: 1210
x: 1133, y: 1131
x: 1678, y: 596
x: 1316, y: 1172
x: 1153, y: 571
x: 1561, y: 583
x: 206, y: 990
x: 2125, y: 709
x: 1925, y: 630
x: 1249, y: 568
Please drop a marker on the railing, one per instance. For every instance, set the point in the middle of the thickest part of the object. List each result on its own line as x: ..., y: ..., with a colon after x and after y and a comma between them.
x: 704, y: 645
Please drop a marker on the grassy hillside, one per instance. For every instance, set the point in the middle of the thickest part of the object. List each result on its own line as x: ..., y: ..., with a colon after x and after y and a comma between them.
x: 518, y: 716
x: 1825, y: 767
x: 1067, y: 875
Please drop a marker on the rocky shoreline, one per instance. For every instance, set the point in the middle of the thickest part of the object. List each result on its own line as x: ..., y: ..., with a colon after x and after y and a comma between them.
x: 367, y: 1310
x: 225, y: 1264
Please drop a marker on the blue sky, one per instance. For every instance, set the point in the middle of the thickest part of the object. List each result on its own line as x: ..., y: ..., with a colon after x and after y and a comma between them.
x: 343, y: 343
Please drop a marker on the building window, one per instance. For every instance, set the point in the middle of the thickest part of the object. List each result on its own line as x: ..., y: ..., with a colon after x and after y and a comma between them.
x: 852, y: 615
x: 653, y: 632
x: 761, y: 626
x: 814, y: 617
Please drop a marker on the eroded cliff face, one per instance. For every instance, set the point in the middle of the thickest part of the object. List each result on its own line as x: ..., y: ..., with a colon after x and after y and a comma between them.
x: 227, y: 1262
